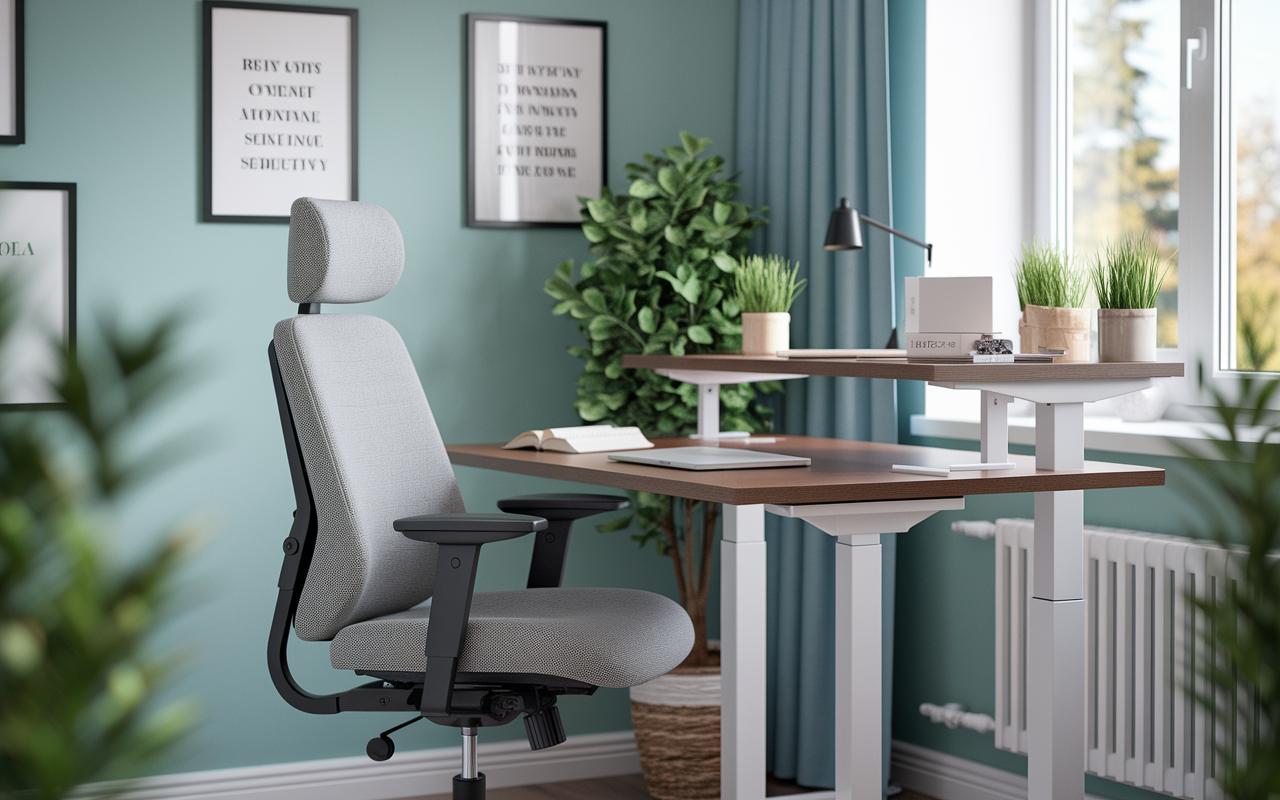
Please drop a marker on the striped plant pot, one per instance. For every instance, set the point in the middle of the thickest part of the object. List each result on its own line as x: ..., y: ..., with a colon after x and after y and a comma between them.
x: 677, y: 723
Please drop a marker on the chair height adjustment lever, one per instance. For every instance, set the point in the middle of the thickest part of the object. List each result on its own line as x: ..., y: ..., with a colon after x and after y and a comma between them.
x: 380, y: 747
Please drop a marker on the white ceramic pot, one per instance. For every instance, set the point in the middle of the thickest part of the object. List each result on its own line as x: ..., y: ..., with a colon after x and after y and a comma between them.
x: 1126, y: 334
x: 765, y: 333
x: 676, y: 718
x: 1144, y: 405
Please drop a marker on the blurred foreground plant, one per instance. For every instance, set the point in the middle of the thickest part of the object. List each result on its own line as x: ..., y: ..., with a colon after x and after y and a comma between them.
x: 1239, y: 493
x: 77, y: 679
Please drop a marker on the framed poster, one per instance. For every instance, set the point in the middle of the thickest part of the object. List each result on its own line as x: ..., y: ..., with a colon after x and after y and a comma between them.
x: 38, y: 249
x: 536, y: 119
x: 279, y: 108
x: 12, y: 82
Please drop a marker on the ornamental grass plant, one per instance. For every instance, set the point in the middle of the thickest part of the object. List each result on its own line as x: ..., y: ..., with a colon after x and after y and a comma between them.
x: 1128, y: 274
x: 1046, y: 276
x: 768, y: 284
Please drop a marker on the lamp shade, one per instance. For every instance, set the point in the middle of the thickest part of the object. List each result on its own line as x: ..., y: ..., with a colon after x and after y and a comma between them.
x: 844, y: 232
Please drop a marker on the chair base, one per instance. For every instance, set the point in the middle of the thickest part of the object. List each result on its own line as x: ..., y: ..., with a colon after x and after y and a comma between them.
x: 468, y: 788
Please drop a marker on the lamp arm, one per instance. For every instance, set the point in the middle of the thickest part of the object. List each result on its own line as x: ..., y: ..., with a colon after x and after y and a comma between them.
x: 928, y: 247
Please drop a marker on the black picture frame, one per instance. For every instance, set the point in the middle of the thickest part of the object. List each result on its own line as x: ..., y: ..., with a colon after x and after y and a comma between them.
x: 69, y: 278
x: 207, y: 213
x: 472, y: 221
x: 19, y: 135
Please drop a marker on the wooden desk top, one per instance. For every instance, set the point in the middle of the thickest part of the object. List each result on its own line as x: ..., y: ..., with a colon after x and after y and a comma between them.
x: 900, y: 369
x: 841, y: 471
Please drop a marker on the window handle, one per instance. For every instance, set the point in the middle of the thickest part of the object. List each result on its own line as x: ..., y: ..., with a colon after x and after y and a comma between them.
x: 1197, y: 49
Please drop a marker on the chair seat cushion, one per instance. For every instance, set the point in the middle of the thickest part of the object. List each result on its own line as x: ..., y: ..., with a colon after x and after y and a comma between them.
x: 605, y: 637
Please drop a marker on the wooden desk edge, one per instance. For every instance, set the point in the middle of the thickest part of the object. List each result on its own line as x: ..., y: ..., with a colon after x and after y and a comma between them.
x: 903, y: 370
x: 666, y: 481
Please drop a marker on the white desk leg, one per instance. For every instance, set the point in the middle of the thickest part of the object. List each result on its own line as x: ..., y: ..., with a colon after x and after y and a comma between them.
x: 708, y: 411
x: 995, y: 427
x: 1055, y: 704
x: 743, y: 654
x: 858, y: 684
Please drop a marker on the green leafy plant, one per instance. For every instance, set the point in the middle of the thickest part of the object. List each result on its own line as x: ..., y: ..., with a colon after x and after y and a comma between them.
x: 1129, y: 274
x: 1239, y: 494
x: 77, y: 678
x: 666, y: 252
x: 768, y: 284
x: 1045, y: 276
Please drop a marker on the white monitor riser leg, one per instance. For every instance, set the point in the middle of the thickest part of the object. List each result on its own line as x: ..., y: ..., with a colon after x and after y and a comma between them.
x: 708, y: 383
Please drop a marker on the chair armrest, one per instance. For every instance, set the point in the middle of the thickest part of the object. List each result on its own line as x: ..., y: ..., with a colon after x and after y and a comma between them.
x: 563, y: 506
x: 468, y: 528
x: 546, y: 570
x: 460, y: 537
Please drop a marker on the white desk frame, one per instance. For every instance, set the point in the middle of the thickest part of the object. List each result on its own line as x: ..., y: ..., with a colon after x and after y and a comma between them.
x: 1056, y: 673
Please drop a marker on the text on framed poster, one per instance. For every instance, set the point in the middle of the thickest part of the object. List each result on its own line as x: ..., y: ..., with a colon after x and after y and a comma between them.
x: 536, y: 99
x: 280, y: 108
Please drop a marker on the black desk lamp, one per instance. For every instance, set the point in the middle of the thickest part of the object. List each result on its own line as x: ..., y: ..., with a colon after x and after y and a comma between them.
x: 844, y: 233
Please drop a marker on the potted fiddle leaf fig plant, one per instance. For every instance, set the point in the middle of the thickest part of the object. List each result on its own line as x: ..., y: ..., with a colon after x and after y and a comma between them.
x: 765, y: 288
x: 1127, y: 278
x: 1052, y: 292
x: 666, y: 253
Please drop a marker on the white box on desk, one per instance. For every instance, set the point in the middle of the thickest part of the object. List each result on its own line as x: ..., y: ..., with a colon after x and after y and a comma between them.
x: 946, y: 305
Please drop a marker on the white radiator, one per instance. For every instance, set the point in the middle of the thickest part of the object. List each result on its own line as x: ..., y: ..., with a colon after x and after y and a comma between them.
x: 1142, y: 724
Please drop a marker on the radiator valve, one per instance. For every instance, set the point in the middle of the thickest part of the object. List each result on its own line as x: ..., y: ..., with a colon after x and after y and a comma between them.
x: 953, y: 715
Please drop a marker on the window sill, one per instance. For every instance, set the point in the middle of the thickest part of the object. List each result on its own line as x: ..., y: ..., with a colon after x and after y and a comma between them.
x: 1111, y: 434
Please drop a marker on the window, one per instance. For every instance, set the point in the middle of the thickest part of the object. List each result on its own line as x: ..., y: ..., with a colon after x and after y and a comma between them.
x: 1124, y: 69
x: 1132, y: 115
x: 1254, y: 300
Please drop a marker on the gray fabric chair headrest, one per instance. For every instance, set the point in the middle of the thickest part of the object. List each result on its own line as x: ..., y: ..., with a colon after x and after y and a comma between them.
x: 342, y: 251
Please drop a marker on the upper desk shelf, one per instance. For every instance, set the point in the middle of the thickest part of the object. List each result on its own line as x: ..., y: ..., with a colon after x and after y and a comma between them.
x: 1047, y: 385
x: 900, y: 369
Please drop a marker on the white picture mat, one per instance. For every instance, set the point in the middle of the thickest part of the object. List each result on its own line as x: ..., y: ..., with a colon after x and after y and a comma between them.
x: 8, y: 68
x: 37, y: 220
x: 283, y: 38
x: 547, y: 193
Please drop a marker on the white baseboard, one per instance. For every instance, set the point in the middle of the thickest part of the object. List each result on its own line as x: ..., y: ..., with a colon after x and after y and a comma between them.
x: 947, y: 777
x: 410, y: 774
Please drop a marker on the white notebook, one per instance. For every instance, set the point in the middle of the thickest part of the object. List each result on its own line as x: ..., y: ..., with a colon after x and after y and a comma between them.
x: 582, y: 439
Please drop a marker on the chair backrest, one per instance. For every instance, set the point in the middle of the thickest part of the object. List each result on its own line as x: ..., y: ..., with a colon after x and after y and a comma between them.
x: 368, y: 439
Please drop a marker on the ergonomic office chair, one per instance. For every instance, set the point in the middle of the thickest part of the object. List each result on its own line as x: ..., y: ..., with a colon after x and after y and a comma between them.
x: 380, y: 528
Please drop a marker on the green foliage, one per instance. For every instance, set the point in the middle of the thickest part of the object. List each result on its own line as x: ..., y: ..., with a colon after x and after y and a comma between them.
x: 1239, y: 494
x: 1130, y: 274
x: 768, y: 284
x: 1045, y: 276
x: 1256, y: 329
x: 77, y: 679
x: 666, y: 252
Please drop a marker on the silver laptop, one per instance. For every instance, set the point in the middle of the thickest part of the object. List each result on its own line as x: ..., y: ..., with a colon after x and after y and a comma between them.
x: 704, y: 458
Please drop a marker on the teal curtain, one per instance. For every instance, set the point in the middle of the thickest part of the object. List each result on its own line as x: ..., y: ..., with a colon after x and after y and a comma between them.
x: 813, y: 126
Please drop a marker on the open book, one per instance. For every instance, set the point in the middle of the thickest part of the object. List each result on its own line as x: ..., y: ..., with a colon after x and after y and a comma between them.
x: 583, y: 439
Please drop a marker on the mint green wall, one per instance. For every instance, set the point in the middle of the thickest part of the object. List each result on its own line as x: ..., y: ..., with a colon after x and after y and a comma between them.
x: 113, y: 103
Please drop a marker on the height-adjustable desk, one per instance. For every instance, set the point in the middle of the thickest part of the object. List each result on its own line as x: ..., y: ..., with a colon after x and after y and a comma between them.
x: 849, y: 492
x: 1059, y: 391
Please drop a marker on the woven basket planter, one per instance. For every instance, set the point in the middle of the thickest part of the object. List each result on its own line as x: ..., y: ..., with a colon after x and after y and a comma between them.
x: 677, y: 723
x: 1057, y: 329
